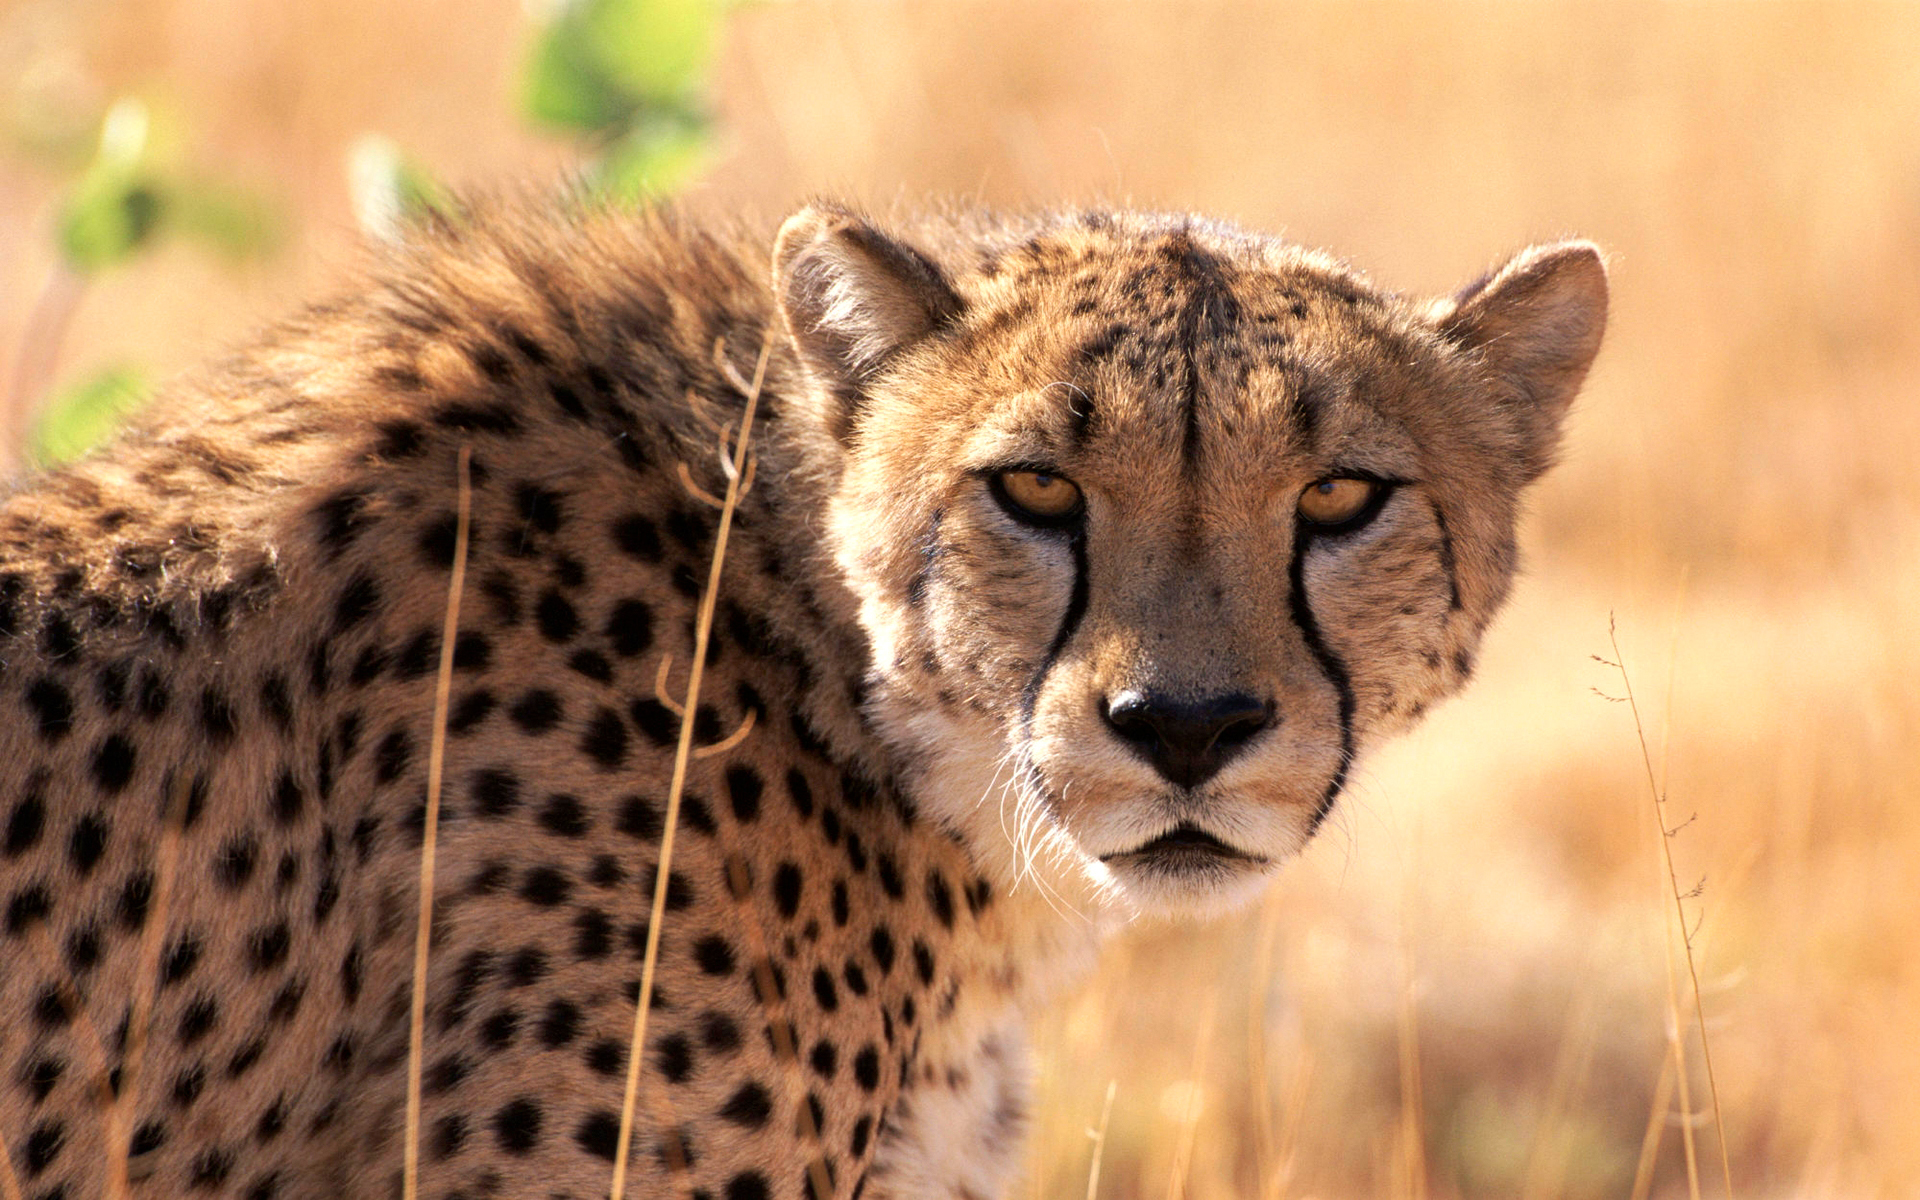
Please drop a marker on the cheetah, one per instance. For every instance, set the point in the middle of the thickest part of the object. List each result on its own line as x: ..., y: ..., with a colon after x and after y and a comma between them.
x: 1081, y: 555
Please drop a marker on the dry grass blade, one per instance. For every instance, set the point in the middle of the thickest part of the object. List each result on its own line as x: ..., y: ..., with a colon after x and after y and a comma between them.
x: 1100, y: 1141
x: 1190, y: 1115
x: 1656, y: 1125
x: 683, y: 754
x: 436, y: 762
x: 1619, y: 664
x: 147, y: 974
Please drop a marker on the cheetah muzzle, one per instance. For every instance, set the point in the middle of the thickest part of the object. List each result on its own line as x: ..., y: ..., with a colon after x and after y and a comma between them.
x: 1086, y: 554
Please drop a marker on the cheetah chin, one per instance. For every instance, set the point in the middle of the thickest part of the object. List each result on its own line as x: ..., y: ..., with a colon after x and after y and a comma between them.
x: 1084, y: 554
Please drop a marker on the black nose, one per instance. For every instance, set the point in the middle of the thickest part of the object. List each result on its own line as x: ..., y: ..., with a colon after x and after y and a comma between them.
x: 1187, y: 741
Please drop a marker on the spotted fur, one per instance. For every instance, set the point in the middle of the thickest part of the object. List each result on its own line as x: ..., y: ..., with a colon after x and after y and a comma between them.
x: 219, y: 640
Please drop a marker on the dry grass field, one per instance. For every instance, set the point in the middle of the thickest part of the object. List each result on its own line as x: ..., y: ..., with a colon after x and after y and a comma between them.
x: 1462, y: 989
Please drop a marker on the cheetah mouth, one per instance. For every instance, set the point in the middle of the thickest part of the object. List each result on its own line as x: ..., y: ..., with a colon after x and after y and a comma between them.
x: 1184, y: 847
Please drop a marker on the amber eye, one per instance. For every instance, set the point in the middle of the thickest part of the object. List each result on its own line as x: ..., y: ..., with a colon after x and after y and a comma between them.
x: 1336, y: 501
x: 1039, y: 496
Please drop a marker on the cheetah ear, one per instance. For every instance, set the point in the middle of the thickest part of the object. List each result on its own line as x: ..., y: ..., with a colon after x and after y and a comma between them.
x: 853, y: 298
x: 1535, y: 323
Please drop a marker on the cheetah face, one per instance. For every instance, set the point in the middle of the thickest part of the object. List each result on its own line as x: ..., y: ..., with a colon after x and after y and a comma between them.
x: 1156, y: 527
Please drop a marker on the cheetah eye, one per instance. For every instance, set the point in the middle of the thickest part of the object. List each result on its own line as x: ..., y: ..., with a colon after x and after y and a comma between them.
x: 1038, y: 497
x: 1330, y: 504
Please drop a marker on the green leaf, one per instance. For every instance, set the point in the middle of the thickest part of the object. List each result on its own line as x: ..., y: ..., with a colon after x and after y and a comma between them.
x: 233, y: 223
x: 565, y: 87
x: 655, y: 50
x: 654, y: 160
x: 109, y: 219
x: 81, y: 417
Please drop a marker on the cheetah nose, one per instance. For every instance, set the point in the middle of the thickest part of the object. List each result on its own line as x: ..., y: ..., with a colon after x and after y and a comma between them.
x: 1187, y: 741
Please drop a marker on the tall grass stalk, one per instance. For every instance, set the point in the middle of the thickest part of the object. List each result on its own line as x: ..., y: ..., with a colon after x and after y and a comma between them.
x: 737, y: 479
x: 1677, y: 922
x: 436, y: 762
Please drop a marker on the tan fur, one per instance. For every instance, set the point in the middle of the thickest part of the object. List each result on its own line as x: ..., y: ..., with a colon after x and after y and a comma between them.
x: 929, y: 826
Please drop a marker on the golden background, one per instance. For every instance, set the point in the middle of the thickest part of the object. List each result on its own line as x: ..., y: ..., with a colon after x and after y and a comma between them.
x: 1462, y: 989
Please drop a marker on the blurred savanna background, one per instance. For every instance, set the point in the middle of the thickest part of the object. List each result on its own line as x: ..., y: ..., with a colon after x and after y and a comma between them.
x: 1474, y: 983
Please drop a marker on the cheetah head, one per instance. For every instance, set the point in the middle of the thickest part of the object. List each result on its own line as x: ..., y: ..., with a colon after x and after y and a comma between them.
x: 1156, y: 525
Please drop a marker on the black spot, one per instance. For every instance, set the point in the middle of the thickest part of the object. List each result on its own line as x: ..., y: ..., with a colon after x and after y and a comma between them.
x: 568, y: 401
x: 536, y: 711
x: 153, y: 696
x: 28, y: 907
x: 862, y: 1132
x: 392, y: 757
x: 268, y: 947
x: 890, y: 877
x: 287, y: 800
x: 113, y: 685
x: 527, y: 966
x: 59, y: 636
x: 842, y: 910
x: 539, y: 507
x: 398, y: 439
x: 637, y: 537
x: 786, y: 889
x: 135, y: 895
x: 881, y: 943
x: 923, y: 961
x: 449, y: 1135
x: 233, y: 866
x: 471, y: 652
x: 743, y: 789
x: 823, y: 990
x: 495, y: 792
x: 866, y: 1068
x: 198, y: 1020
x: 606, y: 1057
x: 179, y: 961
x: 211, y: 1168
x: 357, y: 601
x: 558, y: 621
x: 605, y: 740
x: 800, y: 792
x: 592, y: 935
x: 592, y: 664
x: 497, y: 1030
x: 673, y: 1054
x: 630, y: 628
x: 655, y: 720
x: 420, y: 656
x: 25, y: 825
x: 748, y: 1185
x: 517, y: 1126
x: 565, y: 815
x: 560, y: 1024
x: 749, y: 1107
x: 52, y: 708
x: 599, y: 1134
x: 217, y: 717
x: 367, y: 667
x: 472, y: 708
x: 940, y: 898
x: 855, y: 977
x: 477, y: 418
x: 505, y: 596
x: 640, y: 818
x: 340, y: 519
x: 87, y: 843
x: 275, y: 702
x: 714, y: 954
x: 545, y: 886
